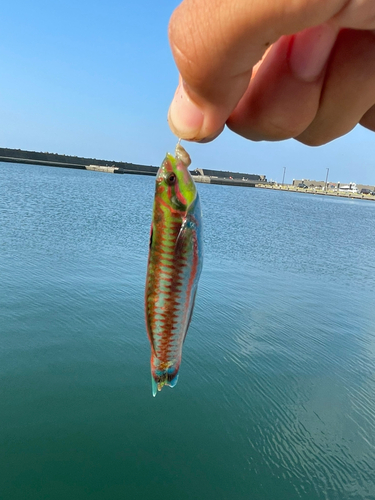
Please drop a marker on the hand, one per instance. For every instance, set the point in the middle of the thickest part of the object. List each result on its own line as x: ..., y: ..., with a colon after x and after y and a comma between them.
x: 273, y: 69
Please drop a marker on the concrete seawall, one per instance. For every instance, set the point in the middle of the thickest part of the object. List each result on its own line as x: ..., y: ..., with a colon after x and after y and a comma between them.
x: 224, y: 181
x: 114, y: 167
x: 77, y: 162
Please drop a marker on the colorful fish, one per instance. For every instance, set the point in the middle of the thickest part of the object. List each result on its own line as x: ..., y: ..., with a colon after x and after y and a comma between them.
x: 174, y: 266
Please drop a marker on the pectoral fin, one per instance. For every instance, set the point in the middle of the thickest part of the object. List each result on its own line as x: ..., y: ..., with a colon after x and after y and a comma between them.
x: 187, y: 238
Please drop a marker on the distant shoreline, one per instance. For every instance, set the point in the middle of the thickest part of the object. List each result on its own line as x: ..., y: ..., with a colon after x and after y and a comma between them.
x: 319, y: 192
x: 217, y: 177
x: 117, y: 167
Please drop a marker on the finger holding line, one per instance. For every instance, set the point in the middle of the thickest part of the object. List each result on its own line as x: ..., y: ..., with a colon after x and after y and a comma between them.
x: 216, y: 43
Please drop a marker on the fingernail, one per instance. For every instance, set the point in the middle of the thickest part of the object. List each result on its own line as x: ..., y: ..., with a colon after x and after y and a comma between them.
x: 184, y: 116
x: 310, y: 50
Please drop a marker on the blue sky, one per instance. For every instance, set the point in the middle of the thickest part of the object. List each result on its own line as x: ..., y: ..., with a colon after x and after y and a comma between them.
x: 95, y: 79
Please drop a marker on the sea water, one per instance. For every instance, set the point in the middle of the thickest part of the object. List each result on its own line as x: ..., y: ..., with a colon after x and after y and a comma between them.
x: 276, y: 394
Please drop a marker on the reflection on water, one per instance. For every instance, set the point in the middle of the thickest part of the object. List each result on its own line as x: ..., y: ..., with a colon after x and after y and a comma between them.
x: 275, y: 397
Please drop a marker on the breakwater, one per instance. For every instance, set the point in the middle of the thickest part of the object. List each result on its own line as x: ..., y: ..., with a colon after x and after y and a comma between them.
x: 117, y: 167
x: 76, y: 162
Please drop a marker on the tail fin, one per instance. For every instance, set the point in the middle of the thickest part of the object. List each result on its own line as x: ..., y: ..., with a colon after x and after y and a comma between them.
x: 160, y: 378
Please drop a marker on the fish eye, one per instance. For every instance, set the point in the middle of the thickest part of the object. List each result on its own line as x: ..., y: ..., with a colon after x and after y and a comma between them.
x: 171, y: 179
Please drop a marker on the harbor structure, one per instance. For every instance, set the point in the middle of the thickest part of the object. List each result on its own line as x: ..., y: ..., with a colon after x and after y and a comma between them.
x: 207, y: 176
x: 350, y: 187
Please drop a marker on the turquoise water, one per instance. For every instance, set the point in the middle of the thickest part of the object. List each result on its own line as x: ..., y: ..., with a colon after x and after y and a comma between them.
x: 276, y: 395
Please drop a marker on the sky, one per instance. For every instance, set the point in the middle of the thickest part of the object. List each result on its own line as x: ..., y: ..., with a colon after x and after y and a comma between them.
x: 95, y: 79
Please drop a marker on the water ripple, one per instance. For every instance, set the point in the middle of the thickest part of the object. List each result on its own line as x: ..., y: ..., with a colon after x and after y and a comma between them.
x: 275, y: 396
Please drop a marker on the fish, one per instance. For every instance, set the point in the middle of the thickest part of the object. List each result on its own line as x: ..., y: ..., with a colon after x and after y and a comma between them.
x: 174, y: 266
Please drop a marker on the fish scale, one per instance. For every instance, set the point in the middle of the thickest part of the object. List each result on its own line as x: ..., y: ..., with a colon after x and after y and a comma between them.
x: 174, y: 267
